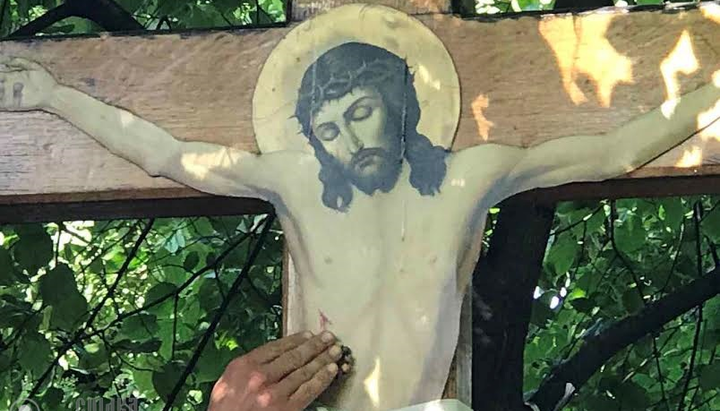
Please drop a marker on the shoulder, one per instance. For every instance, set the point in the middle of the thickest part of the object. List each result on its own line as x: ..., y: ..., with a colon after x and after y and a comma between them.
x: 293, y: 173
x: 484, y: 160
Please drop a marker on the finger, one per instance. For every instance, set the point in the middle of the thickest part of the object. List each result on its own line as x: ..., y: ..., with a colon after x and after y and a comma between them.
x: 274, y: 349
x: 21, y: 63
x: 292, y: 382
x: 308, y: 392
x: 297, y: 357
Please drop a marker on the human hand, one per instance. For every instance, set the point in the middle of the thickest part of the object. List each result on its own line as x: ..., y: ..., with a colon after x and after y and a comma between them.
x: 24, y: 85
x: 285, y: 375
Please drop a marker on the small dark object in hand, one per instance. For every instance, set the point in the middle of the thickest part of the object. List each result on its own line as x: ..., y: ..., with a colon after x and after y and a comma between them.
x: 346, y: 359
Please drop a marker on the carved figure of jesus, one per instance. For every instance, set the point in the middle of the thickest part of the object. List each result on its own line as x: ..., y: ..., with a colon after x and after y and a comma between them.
x: 383, y: 225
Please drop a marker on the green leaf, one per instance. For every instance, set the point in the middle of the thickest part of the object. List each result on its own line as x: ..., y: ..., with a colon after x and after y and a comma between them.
x: 169, y: 7
x: 157, y: 292
x: 35, y: 355
x: 672, y: 212
x: 211, y: 364
x: 7, y: 275
x: 23, y: 7
x: 583, y: 305
x: 143, y: 381
x: 93, y: 356
x: 70, y: 313
x: 53, y: 397
x: 541, y: 313
x: 140, y: 327
x: 632, y: 396
x: 600, y: 403
x: 631, y: 235
x: 131, y: 6
x: 58, y: 289
x: 191, y: 261
x: 596, y: 222
x: 34, y: 249
x: 57, y: 284
x: 632, y: 301
x: 164, y: 380
x: 711, y: 224
x: 710, y: 376
x: 562, y: 254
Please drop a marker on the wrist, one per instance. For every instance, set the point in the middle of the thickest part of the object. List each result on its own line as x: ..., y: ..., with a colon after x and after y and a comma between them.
x: 56, y: 99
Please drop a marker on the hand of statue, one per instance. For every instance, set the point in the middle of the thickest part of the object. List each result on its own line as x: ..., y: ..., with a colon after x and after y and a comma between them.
x: 24, y: 85
x: 285, y: 375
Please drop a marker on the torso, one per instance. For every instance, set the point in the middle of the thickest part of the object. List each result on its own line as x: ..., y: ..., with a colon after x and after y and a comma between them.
x: 383, y: 276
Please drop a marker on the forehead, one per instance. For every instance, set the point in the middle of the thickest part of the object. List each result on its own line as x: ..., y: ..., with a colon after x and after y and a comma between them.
x: 333, y: 110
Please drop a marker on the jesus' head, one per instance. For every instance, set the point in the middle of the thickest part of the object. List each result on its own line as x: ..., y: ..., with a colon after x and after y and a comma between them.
x: 358, y: 107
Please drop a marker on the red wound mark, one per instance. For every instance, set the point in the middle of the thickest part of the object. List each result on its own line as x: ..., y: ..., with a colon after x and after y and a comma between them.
x: 324, y: 321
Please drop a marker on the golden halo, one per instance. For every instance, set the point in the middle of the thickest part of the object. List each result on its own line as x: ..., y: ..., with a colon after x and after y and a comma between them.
x: 435, y: 79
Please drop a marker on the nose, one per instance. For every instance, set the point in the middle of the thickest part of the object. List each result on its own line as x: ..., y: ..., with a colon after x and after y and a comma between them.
x: 354, y: 143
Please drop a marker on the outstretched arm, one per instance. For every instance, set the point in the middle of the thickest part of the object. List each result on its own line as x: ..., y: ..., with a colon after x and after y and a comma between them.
x: 207, y: 167
x: 597, y: 158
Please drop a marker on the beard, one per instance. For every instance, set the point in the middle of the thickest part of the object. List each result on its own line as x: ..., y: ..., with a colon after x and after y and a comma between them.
x: 373, y: 169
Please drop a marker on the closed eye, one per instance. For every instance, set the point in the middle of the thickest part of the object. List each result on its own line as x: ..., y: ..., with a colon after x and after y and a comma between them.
x: 360, y: 112
x: 327, y: 131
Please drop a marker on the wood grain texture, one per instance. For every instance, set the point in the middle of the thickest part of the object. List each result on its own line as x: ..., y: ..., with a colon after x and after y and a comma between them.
x: 305, y: 9
x: 516, y: 89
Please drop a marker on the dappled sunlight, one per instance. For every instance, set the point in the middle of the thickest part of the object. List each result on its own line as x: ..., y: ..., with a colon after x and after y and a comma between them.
x: 433, y: 407
x: 427, y: 78
x: 680, y: 60
x: 711, y: 11
x: 691, y: 157
x: 711, y: 120
x: 372, y: 384
x: 126, y: 118
x: 199, y: 164
x: 588, y: 52
x: 483, y: 124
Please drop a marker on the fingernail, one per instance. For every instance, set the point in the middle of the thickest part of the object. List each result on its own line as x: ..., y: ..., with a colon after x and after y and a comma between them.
x: 346, y: 367
x: 307, y: 335
x: 332, y: 367
x: 335, y: 351
x: 327, y: 337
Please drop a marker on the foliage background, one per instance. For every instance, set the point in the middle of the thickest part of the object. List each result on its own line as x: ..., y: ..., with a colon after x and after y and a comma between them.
x: 605, y: 260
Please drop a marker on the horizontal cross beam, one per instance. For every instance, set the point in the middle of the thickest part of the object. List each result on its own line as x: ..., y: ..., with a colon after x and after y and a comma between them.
x: 523, y: 81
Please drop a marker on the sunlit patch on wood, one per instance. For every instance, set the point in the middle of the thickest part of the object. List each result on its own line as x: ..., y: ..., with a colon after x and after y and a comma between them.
x: 691, y: 157
x: 587, y: 52
x: 681, y: 60
x: 710, y: 119
x: 711, y: 11
x: 483, y: 124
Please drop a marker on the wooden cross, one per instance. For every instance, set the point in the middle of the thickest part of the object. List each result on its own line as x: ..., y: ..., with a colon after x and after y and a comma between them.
x: 579, y: 75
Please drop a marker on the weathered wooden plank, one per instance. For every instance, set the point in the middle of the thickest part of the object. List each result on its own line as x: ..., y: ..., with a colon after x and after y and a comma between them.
x: 523, y: 81
x: 305, y: 9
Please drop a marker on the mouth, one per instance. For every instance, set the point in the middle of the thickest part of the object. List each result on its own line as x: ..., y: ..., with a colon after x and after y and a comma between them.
x: 366, y: 158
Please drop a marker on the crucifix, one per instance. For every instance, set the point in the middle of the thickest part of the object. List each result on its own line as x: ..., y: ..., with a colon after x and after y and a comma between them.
x: 355, y: 113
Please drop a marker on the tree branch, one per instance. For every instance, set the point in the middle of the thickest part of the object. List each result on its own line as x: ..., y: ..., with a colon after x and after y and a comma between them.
x: 599, y: 348
x: 77, y: 337
x: 219, y: 314
x: 106, y: 13
x: 503, y: 284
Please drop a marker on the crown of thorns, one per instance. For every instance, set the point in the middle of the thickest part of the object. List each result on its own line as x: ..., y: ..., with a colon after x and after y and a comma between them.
x: 371, y: 73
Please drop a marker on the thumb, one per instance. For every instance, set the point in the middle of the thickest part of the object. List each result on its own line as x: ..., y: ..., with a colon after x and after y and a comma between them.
x: 19, y: 63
